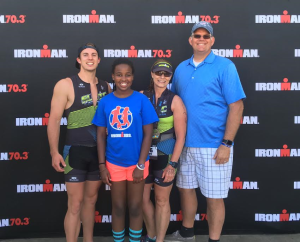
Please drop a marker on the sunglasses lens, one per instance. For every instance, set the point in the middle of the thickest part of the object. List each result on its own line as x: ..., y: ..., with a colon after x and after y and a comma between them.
x: 198, y: 36
x: 160, y: 73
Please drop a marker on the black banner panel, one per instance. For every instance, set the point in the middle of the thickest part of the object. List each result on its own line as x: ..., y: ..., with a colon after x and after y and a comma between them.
x: 39, y: 42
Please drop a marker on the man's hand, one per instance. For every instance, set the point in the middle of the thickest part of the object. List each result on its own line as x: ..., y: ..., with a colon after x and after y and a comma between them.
x: 58, y: 162
x: 222, y: 155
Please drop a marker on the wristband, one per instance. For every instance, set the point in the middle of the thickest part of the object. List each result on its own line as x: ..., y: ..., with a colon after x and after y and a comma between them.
x: 227, y: 142
x: 173, y: 164
x: 101, y: 163
x: 141, y: 167
x: 228, y: 146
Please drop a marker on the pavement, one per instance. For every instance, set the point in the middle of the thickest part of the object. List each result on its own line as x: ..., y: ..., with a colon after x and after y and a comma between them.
x: 199, y: 238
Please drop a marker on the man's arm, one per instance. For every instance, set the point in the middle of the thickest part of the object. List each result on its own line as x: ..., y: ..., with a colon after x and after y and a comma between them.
x: 234, y: 119
x: 58, y: 104
x: 232, y: 125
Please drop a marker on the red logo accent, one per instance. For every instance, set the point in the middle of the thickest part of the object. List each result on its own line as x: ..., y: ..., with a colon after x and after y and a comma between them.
x: 285, y: 18
x: 179, y: 18
x: 45, y: 53
x: 98, y: 218
x: 237, y: 52
x: 94, y: 18
x: 179, y: 216
x: 48, y: 187
x: 237, y: 184
x: 285, y: 151
x: 17, y: 87
x: 284, y: 216
x: 120, y: 114
x: 132, y: 52
x: 46, y: 119
x: 285, y: 86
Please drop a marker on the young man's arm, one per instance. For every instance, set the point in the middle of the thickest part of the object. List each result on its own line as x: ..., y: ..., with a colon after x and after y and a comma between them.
x: 58, y: 104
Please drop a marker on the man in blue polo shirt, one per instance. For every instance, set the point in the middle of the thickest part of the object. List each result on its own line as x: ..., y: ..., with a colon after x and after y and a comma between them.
x: 211, y: 90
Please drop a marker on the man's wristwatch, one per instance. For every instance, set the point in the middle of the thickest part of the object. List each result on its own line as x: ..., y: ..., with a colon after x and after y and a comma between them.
x: 140, y: 166
x: 173, y: 164
x: 227, y: 142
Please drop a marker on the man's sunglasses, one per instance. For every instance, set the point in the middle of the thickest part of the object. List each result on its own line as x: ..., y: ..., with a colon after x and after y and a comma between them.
x: 160, y: 73
x: 198, y: 36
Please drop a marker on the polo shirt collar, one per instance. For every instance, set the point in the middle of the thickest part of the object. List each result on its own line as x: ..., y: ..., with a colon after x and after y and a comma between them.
x: 209, y: 59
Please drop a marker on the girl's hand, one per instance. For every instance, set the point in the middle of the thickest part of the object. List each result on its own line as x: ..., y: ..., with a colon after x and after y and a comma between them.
x: 105, y: 176
x: 137, y: 175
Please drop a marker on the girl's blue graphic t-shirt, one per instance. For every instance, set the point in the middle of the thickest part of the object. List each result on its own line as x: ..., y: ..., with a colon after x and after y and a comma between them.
x: 124, y: 119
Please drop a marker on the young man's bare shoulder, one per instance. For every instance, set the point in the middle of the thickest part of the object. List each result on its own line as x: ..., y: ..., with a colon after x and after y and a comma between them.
x: 64, y: 83
x: 63, y: 87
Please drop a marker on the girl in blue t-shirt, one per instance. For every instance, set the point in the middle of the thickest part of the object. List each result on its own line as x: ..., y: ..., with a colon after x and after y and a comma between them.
x: 123, y: 151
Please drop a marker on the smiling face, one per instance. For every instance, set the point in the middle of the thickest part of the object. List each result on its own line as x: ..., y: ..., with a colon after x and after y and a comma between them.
x: 88, y: 59
x: 160, y: 81
x: 201, y: 46
x: 123, y: 77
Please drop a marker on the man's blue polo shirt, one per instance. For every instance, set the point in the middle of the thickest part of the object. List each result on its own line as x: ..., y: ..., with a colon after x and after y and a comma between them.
x: 206, y: 91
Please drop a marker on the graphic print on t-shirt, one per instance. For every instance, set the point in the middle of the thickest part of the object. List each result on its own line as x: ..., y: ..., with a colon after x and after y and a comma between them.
x: 120, y: 118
